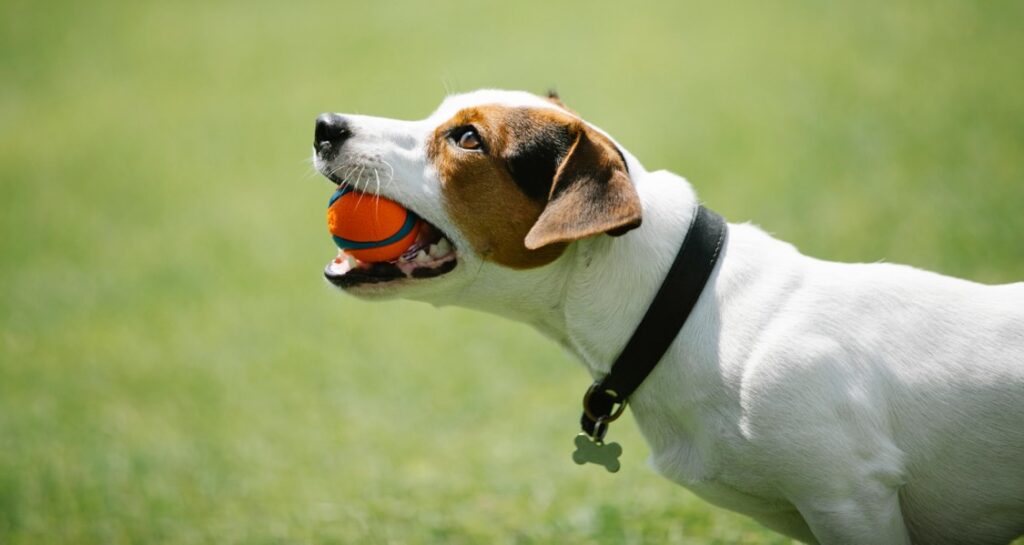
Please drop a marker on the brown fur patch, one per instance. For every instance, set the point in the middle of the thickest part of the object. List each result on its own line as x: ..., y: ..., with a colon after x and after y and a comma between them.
x: 480, y: 194
x: 497, y: 194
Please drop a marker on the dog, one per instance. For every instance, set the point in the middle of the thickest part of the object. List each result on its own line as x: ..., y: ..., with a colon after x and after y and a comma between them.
x: 834, y: 403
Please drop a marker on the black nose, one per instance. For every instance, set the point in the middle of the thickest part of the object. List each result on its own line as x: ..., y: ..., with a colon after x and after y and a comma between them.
x: 331, y: 132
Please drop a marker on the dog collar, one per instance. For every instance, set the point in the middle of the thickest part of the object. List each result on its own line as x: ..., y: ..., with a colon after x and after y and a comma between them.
x: 606, y: 398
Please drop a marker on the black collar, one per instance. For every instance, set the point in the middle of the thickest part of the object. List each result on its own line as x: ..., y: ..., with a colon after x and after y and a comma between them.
x: 606, y: 399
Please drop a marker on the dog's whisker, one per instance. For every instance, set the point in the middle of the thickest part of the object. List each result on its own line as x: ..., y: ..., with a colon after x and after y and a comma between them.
x: 349, y: 178
x: 309, y: 175
x: 349, y: 171
x: 389, y: 183
x: 358, y: 184
x: 377, y: 176
x: 335, y: 171
x: 391, y: 169
x: 391, y: 173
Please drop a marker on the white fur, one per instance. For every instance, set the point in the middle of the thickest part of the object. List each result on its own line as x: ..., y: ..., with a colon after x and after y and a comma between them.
x: 835, y: 403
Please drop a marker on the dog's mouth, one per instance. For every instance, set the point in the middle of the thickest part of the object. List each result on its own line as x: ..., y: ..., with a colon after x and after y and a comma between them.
x: 431, y: 255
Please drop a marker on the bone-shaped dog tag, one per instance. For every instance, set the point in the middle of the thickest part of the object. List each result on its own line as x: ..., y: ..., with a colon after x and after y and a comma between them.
x: 597, y: 452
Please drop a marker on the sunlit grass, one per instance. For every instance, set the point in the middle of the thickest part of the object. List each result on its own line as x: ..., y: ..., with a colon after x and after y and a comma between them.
x: 173, y: 370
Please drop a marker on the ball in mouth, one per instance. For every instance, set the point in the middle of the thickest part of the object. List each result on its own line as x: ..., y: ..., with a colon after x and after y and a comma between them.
x: 370, y: 228
x: 379, y: 240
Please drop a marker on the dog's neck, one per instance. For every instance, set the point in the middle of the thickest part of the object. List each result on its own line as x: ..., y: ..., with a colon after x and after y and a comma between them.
x: 614, y: 279
x: 591, y: 299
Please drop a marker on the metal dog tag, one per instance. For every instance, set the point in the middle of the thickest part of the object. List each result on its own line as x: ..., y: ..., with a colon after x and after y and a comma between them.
x: 597, y: 452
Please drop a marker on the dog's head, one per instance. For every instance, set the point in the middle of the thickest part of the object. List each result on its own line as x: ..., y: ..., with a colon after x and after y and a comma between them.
x: 506, y: 180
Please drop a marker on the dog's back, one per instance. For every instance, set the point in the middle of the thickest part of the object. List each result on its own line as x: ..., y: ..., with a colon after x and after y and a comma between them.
x: 942, y: 361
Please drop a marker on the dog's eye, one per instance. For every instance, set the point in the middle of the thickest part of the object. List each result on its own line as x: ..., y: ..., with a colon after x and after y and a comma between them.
x: 468, y: 138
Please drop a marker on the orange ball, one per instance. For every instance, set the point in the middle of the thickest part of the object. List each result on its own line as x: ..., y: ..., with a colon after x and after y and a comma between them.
x: 368, y: 227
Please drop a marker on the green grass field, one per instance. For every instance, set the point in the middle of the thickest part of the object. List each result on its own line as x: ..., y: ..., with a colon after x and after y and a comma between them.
x: 173, y: 369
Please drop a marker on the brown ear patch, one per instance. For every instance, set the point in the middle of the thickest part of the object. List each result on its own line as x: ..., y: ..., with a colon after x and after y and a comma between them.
x: 544, y: 179
x: 591, y: 194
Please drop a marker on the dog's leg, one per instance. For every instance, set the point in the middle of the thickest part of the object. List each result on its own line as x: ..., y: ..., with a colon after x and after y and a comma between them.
x: 868, y: 515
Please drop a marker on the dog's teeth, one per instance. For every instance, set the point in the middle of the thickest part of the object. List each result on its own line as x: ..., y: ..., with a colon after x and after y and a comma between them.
x: 434, y: 251
x: 421, y: 257
x: 348, y: 261
x: 443, y: 247
x: 340, y: 266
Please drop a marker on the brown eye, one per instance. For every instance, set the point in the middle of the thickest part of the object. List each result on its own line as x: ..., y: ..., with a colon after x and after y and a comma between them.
x: 469, y: 139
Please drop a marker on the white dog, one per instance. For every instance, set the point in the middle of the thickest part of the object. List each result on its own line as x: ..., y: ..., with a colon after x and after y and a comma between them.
x: 834, y: 403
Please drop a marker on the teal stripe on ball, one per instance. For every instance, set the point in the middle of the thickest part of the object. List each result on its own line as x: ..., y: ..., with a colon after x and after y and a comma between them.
x: 410, y: 221
x: 339, y: 193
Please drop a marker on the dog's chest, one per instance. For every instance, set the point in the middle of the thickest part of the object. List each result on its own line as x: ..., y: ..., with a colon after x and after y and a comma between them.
x: 712, y: 461
x: 704, y: 450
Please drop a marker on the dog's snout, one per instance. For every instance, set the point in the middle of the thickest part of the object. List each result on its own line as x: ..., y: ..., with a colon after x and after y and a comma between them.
x: 331, y: 132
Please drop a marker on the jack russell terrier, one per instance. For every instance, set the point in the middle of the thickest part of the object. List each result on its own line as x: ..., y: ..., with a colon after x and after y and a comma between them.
x: 835, y: 403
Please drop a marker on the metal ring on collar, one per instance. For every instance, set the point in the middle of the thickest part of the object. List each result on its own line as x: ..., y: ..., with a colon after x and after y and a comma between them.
x: 615, y: 414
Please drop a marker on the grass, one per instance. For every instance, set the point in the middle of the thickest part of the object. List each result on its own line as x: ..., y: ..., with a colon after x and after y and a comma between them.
x: 173, y: 370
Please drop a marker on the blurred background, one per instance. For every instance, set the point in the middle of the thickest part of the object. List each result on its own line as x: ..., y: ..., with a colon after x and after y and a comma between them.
x: 173, y: 369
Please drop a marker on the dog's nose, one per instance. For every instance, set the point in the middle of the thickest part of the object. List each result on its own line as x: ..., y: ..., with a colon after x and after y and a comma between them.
x: 331, y: 131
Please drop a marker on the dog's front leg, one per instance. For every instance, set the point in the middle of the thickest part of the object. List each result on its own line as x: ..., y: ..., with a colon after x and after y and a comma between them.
x: 869, y: 515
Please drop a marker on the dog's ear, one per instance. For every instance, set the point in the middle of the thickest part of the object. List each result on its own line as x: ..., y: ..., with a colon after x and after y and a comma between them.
x: 557, y: 100
x: 591, y: 194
